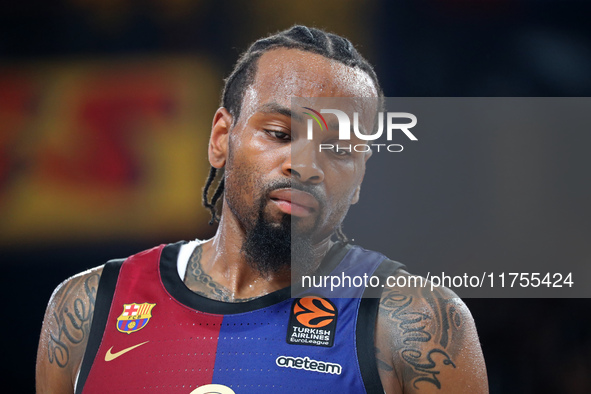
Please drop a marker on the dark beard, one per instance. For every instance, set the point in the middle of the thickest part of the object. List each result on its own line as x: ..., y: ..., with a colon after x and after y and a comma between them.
x: 269, y: 248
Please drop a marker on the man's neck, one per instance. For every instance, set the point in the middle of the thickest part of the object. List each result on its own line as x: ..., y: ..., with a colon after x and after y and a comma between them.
x: 218, y: 268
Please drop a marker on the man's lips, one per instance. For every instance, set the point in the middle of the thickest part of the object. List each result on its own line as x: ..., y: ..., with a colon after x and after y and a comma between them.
x: 294, y: 202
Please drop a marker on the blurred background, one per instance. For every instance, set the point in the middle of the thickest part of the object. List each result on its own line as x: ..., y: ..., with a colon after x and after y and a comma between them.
x: 106, y: 107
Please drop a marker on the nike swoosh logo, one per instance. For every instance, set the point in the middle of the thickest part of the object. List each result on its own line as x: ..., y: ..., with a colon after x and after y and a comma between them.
x: 112, y: 356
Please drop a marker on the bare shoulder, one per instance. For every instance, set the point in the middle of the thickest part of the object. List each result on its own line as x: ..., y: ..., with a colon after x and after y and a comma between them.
x: 65, y: 331
x: 426, y: 341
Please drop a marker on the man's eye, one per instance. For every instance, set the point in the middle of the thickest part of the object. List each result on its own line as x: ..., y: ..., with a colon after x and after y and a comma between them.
x: 279, y: 135
x: 340, y: 150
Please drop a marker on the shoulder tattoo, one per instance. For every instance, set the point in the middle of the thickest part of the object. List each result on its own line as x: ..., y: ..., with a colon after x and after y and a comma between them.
x: 71, y: 317
x: 425, y: 326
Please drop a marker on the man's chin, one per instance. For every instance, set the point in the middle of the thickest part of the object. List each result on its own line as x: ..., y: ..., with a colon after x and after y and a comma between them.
x: 271, y: 246
x: 303, y: 227
x: 267, y: 245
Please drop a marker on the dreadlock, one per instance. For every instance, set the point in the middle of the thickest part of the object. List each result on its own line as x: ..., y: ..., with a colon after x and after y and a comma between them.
x: 313, y: 40
x: 216, y: 196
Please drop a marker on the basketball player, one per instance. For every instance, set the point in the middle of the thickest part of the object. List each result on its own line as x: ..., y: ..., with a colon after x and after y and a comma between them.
x: 217, y: 315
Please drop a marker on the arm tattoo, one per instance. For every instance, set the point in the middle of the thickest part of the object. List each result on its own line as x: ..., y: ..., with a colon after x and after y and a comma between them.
x: 197, y: 279
x: 425, y: 333
x: 72, y: 318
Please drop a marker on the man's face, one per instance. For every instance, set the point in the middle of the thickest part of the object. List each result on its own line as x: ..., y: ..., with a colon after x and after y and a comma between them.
x: 272, y: 171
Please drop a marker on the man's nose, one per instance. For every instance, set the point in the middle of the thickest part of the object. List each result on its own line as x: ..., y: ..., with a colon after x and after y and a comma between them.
x: 303, y: 164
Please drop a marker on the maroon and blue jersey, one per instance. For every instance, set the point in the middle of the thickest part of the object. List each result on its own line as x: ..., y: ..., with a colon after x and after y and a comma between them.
x: 150, y: 333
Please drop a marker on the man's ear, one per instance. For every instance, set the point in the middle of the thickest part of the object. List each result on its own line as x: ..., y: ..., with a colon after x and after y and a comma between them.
x: 357, y: 191
x: 219, y: 139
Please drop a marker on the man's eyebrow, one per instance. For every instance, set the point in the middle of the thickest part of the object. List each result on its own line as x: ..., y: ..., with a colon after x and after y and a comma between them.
x: 276, y: 108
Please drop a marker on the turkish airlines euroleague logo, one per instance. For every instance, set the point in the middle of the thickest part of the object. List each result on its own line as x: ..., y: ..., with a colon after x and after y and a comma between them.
x: 312, y: 321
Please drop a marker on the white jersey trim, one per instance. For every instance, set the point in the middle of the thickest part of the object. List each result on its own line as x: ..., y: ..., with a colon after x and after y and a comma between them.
x: 184, y: 256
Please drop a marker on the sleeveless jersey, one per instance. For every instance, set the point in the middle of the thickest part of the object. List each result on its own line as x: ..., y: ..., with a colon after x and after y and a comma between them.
x: 150, y: 333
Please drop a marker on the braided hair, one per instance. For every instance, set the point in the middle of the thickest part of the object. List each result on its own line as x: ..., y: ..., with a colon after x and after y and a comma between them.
x: 329, y: 45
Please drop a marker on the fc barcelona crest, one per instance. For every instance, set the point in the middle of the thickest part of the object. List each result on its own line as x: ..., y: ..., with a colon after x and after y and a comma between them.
x: 134, y: 317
